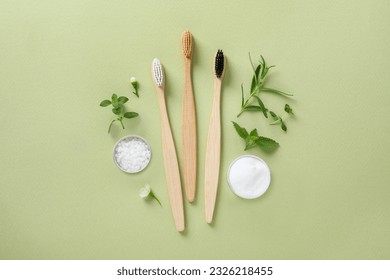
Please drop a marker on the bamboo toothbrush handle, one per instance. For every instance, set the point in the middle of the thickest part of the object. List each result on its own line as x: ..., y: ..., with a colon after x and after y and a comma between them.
x: 189, y: 134
x: 171, y: 166
x: 213, y: 153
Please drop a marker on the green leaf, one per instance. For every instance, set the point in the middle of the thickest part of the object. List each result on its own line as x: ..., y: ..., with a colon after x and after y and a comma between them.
x: 255, y: 78
x: 273, y: 114
x: 240, y: 131
x: 267, y: 143
x: 253, y: 84
x: 105, y: 103
x: 250, y: 142
x: 288, y: 109
x: 271, y: 90
x: 254, y: 134
x: 116, y: 104
x: 265, y: 72
x: 122, y: 100
x: 258, y: 71
x: 252, y: 108
x: 130, y: 115
x: 283, y: 125
x: 114, y: 97
x: 262, y: 62
x: 261, y: 104
x: 242, y: 96
x: 117, y: 111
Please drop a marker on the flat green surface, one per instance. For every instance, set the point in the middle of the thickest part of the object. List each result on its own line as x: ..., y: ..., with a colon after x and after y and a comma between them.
x: 62, y: 197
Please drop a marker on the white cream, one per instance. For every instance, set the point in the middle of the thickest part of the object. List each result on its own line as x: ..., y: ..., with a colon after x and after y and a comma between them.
x: 249, y: 176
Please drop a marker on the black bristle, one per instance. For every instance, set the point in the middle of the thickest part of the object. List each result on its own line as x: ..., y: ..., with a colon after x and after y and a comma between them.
x: 219, y: 63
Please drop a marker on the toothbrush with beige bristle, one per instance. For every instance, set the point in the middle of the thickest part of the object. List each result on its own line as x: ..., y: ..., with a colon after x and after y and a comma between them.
x: 171, y: 165
x: 213, y: 147
x: 189, y: 149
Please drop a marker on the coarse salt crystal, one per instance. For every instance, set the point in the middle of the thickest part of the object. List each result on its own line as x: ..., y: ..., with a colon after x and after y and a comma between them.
x: 132, y: 154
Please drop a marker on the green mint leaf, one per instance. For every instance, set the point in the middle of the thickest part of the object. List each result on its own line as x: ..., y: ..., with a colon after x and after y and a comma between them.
x: 273, y: 114
x: 117, y: 111
x: 114, y: 101
x: 267, y: 144
x: 271, y: 90
x: 288, y: 109
x: 115, y: 105
x: 250, y: 142
x: 254, y: 134
x: 240, y: 131
x: 122, y: 100
x: 130, y: 115
x: 105, y: 103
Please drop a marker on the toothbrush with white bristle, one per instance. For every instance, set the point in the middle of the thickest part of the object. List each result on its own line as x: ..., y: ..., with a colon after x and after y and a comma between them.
x: 171, y: 165
x: 213, y: 147
x: 188, y: 121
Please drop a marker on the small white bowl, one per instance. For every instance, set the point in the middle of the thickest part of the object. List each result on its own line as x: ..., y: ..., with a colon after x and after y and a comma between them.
x: 127, y: 160
x: 248, y: 176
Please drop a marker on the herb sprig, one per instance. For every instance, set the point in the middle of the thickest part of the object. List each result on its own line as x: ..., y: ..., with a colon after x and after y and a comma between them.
x: 146, y: 192
x: 118, y: 109
x: 135, y: 85
x: 281, y: 119
x: 252, y: 139
x: 253, y: 102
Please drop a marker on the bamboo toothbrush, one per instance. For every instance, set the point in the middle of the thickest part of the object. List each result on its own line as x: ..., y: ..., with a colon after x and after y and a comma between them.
x: 171, y: 165
x: 188, y: 121
x: 213, y: 148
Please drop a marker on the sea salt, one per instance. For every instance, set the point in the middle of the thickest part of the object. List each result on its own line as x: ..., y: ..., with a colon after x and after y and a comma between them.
x: 132, y: 154
x: 249, y: 176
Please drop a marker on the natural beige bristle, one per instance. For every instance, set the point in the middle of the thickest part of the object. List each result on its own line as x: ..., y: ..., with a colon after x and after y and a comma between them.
x: 186, y: 43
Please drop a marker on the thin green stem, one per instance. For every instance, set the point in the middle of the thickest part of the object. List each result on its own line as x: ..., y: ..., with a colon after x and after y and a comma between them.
x: 154, y: 197
x: 109, y: 128
x: 120, y: 120
x: 278, y: 121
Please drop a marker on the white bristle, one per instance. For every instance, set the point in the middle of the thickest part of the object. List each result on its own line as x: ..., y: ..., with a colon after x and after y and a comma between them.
x: 157, y: 72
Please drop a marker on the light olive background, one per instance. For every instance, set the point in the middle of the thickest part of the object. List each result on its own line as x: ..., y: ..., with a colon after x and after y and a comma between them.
x: 61, y: 195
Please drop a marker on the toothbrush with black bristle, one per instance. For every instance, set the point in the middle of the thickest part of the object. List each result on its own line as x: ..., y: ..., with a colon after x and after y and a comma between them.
x: 189, y: 148
x: 171, y: 165
x: 213, y: 147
